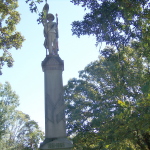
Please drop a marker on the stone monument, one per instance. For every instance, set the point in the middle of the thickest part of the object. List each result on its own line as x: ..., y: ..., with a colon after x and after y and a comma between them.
x: 53, y: 66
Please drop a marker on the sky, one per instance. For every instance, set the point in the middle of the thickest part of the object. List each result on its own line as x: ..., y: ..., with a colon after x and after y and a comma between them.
x: 26, y: 76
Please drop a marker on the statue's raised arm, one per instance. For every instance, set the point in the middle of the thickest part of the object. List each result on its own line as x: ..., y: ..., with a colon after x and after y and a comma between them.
x: 50, y: 31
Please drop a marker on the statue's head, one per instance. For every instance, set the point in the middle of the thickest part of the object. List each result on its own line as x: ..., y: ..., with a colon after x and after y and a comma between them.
x: 50, y: 17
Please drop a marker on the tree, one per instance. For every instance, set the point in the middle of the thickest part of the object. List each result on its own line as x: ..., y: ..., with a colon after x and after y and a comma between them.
x: 115, y: 22
x: 108, y: 107
x: 119, y: 82
x: 10, y: 37
x: 23, y: 133
x: 17, y: 130
x: 8, y: 103
x: 33, y: 5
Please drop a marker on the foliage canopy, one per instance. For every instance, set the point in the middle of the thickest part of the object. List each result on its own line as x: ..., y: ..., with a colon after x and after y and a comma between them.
x: 108, y: 107
x: 17, y: 130
x: 10, y: 37
x: 115, y: 22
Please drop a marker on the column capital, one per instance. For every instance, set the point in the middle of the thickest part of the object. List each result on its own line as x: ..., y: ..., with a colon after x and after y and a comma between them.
x: 52, y: 62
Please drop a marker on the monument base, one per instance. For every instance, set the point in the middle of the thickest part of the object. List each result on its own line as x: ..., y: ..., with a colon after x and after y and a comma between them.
x: 56, y: 144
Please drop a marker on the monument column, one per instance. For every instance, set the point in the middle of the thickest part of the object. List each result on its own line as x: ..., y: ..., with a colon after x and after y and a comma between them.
x: 55, y: 126
x: 54, y: 104
x: 53, y: 66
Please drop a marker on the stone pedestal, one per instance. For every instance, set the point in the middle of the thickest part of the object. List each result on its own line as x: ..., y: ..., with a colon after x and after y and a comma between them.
x: 55, y: 125
x: 57, y: 144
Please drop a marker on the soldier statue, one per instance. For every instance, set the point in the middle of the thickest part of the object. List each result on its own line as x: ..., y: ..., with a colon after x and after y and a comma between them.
x: 50, y: 31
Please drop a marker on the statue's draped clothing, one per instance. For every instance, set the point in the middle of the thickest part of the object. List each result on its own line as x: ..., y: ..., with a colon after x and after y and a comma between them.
x: 50, y: 42
x: 50, y: 31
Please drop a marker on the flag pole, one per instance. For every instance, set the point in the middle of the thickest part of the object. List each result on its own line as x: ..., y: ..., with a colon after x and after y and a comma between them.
x: 47, y: 27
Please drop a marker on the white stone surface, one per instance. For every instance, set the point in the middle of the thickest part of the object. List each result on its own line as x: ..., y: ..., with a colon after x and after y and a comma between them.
x: 55, y: 126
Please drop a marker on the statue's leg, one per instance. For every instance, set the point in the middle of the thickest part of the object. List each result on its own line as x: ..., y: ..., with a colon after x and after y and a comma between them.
x: 50, y: 47
x: 53, y: 43
x: 56, y: 44
x: 55, y: 47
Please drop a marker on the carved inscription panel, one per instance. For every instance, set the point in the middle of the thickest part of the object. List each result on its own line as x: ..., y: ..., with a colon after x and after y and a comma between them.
x: 56, y: 145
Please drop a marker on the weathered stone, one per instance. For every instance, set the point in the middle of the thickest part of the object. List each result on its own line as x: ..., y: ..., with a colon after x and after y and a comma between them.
x: 57, y: 144
x: 55, y: 124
